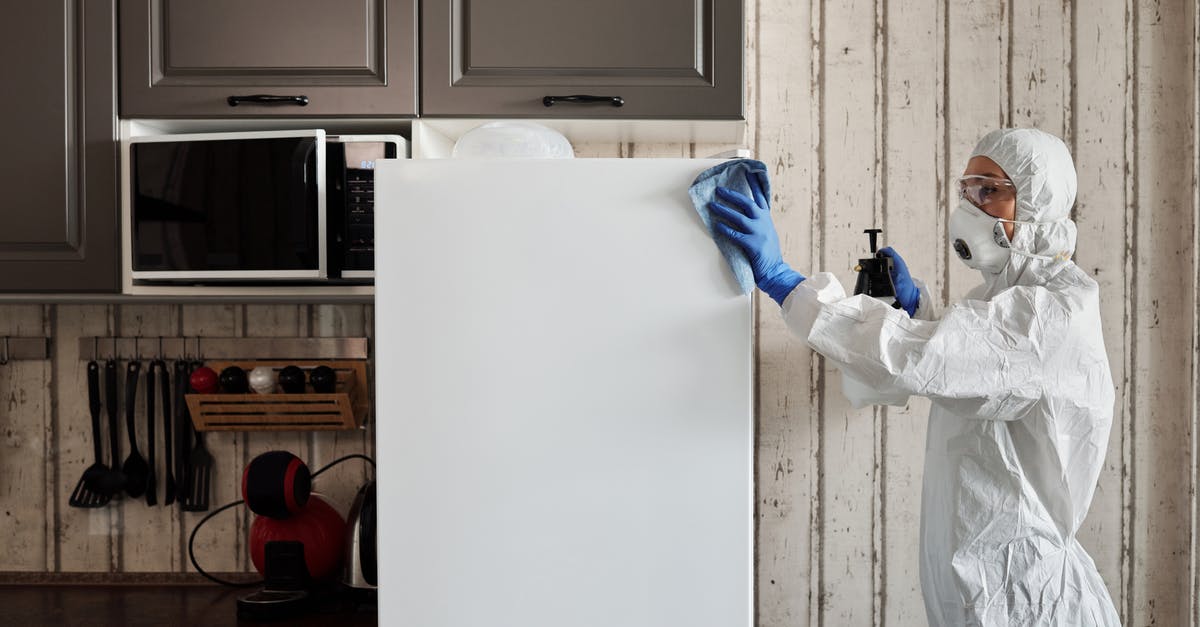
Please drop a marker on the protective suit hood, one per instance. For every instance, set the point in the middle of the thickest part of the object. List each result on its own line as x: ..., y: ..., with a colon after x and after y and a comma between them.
x: 1043, y: 173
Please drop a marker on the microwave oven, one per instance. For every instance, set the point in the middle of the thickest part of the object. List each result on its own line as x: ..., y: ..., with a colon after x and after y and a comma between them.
x: 255, y: 208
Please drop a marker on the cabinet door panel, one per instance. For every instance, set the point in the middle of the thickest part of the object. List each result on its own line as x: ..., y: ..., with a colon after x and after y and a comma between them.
x: 347, y: 57
x: 664, y: 59
x: 59, y: 171
x: 594, y: 38
x: 229, y: 36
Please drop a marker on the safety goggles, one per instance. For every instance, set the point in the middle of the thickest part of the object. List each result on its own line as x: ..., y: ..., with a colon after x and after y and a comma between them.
x: 982, y: 191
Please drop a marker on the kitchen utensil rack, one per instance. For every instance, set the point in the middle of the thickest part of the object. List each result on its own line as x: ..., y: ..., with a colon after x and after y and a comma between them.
x: 226, y: 348
x: 345, y: 408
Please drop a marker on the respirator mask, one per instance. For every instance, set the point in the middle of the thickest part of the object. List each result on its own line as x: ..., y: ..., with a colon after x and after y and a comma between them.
x: 978, y: 238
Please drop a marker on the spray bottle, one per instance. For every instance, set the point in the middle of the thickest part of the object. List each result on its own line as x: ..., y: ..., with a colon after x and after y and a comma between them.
x: 875, y: 273
x: 874, y: 280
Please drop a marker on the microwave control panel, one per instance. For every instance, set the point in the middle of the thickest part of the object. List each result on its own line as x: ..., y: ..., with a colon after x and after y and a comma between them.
x: 351, y: 179
x: 359, y: 251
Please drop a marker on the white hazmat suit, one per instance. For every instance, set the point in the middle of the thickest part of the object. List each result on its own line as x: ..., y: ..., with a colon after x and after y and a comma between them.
x: 1022, y: 402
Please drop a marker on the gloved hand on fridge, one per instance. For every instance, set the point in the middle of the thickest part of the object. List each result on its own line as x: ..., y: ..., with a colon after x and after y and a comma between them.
x: 747, y: 222
x: 907, y: 292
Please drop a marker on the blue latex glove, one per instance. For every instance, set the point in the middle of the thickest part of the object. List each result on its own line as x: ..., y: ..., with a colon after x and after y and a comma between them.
x: 906, y: 291
x: 748, y: 224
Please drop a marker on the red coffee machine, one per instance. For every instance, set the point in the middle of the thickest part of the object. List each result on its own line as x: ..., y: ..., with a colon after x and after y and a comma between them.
x: 296, y: 540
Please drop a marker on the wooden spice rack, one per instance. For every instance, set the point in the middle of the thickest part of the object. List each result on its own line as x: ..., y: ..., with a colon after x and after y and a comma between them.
x: 345, y: 408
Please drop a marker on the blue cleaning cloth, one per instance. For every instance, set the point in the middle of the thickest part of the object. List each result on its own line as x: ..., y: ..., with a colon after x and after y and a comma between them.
x: 731, y: 174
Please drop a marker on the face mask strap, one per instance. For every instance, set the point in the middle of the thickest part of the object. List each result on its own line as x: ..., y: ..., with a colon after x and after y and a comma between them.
x: 1026, y: 222
x: 1062, y: 256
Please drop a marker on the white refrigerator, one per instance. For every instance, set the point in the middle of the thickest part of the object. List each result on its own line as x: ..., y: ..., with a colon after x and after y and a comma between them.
x: 564, y: 398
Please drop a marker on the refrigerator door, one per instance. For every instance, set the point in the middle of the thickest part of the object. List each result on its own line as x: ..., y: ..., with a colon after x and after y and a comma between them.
x: 565, y: 423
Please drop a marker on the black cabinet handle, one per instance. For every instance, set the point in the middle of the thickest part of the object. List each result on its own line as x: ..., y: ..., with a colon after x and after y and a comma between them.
x: 615, y: 101
x: 265, y: 99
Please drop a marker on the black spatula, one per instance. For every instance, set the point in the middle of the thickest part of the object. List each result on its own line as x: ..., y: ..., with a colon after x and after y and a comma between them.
x: 90, y: 491
x: 114, y: 482
x: 135, y: 467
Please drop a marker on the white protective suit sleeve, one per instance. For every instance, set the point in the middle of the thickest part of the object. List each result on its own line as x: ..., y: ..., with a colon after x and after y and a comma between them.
x: 982, y: 359
x: 862, y: 395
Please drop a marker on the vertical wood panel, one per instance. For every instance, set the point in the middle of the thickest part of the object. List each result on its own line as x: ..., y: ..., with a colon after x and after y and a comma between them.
x: 276, y: 321
x: 221, y: 545
x: 848, y: 206
x: 1098, y: 148
x: 273, y: 321
x: 1128, y: 442
x: 1040, y: 65
x: 148, y: 533
x: 880, y: 414
x: 83, y: 537
x: 786, y: 104
x: 1195, y: 421
x: 1162, y: 494
x: 816, y: 119
x: 25, y: 414
x: 977, y: 93
x: 342, y: 482
x: 911, y: 197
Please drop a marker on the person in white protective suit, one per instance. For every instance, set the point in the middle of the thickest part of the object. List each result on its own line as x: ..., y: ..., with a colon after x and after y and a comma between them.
x: 1022, y: 397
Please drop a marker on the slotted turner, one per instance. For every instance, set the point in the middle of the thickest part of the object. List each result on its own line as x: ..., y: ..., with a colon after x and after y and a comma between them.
x: 199, y: 478
x: 90, y: 491
x: 135, y: 467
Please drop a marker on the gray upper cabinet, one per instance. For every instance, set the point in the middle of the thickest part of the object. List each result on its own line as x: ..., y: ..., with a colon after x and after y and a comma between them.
x: 59, y: 168
x: 504, y: 58
x: 183, y: 58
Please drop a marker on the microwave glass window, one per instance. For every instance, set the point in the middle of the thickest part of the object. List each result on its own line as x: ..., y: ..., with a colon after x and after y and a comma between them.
x: 225, y: 205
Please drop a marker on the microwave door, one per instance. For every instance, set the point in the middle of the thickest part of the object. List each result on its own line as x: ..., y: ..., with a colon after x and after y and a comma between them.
x: 308, y: 166
x: 242, y: 207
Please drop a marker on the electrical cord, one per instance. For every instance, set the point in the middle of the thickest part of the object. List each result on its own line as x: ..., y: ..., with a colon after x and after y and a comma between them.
x: 192, y: 551
x: 247, y: 584
x: 342, y: 459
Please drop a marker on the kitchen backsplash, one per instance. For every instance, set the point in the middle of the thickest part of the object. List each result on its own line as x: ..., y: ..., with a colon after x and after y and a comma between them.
x: 47, y: 442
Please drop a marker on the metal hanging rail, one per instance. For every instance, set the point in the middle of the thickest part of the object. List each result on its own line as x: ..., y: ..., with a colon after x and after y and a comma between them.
x: 201, y: 348
x: 23, y: 348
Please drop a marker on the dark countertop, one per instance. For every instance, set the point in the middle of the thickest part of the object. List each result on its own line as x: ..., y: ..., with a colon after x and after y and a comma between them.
x: 62, y: 605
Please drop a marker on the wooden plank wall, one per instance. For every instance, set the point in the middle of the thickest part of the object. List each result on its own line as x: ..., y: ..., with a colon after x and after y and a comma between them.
x: 839, y: 489
x: 48, y: 442
x: 864, y: 111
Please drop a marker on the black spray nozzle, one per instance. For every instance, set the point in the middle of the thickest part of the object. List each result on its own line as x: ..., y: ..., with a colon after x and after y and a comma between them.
x: 873, y: 234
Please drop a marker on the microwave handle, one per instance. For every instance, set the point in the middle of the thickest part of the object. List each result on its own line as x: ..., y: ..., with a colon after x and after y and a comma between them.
x: 266, y: 99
